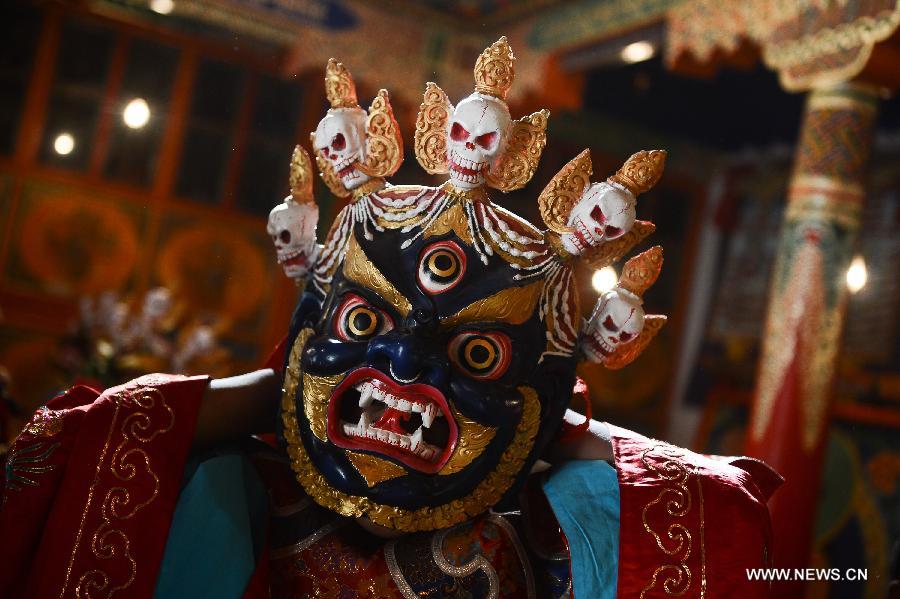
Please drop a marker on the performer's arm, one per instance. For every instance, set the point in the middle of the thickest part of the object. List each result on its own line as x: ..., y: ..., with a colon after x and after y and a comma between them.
x: 238, y: 406
x: 592, y: 444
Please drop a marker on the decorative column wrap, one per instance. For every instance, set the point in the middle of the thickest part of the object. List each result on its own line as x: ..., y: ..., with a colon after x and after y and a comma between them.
x: 807, y: 304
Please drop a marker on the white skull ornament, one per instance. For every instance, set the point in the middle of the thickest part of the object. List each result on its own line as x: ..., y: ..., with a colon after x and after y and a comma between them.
x: 341, y: 139
x: 292, y: 226
x: 605, y: 212
x: 477, y: 136
x: 618, y: 318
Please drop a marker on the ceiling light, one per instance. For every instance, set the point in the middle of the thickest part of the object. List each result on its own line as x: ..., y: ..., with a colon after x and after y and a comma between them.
x: 637, y: 52
x: 162, y: 7
x: 604, y: 279
x: 857, y: 274
x: 136, y: 113
x: 64, y: 144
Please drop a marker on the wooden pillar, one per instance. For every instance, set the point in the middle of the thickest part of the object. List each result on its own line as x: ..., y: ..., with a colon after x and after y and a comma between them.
x: 788, y: 424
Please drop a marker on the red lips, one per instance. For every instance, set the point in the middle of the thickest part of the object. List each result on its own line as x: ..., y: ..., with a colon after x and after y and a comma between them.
x: 388, y: 420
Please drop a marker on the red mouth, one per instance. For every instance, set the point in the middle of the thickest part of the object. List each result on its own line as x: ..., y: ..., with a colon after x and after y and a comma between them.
x: 463, y: 170
x: 410, y: 423
x: 298, y: 260
x: 346, y: 171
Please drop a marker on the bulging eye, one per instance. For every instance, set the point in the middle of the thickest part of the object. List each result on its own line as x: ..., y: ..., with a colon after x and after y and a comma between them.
x: 338, y: 143
x: 356, y: 320
x: 458, y: 132
x: 441, y: 267
x: 487, y: 140
x: 481, y: 355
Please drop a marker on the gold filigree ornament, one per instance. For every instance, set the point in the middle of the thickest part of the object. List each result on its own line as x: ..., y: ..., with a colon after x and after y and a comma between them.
x: 563, y: 192
x: 432, y: 124
x: 638, y: 275
x: 641, y: 171
x: 495, y: 69
x: 641, y: 272
x: 301, y: 177
x: 516, y: 165
x: 473, y: 440
x: 339, y: 87
x: 384, y: 144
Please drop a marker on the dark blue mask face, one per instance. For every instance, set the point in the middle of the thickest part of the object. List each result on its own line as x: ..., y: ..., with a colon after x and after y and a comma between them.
x: 421, y: 397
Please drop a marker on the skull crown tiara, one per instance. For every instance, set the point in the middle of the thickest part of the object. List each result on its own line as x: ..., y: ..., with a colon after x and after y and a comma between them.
x: 588, y: 223
x: 389, y: 257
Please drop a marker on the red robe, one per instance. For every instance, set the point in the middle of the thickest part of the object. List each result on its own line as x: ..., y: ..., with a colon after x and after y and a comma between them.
x: 90, y: 487
x: 92, y: 482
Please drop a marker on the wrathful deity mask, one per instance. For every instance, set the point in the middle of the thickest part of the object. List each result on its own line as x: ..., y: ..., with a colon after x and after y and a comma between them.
x: 421, y: 395
x: 432, y: 361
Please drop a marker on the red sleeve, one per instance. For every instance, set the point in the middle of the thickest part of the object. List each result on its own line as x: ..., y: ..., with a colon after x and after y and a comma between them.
x: 93, y: 480
x: 690, y: 525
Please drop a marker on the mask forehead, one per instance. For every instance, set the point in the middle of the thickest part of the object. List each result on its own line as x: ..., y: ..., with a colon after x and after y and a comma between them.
x: 481, y: 292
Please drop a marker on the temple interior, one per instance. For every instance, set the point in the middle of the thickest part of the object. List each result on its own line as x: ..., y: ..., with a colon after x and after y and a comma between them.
x: 143, y: 144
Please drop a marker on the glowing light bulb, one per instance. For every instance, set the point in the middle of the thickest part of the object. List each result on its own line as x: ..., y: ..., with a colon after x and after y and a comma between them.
x: 64, y: 144
x: 136, y: 113
x: 637, y: 52
x: 857, y: 275
x: 604, y: 279
x: 162, y: 7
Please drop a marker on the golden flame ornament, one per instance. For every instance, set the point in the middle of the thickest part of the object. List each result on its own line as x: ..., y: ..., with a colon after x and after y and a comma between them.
x: 301, y: 177
x: 495, y: 69
x: 641, y: 171
x: 339, y: 87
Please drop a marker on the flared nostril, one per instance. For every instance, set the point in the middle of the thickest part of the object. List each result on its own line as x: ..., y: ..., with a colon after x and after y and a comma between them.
x: 407, y: 357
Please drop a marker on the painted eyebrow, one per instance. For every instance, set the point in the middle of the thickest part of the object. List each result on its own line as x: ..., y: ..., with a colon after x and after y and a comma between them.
x: 513, y: 305
x: 359, y: 269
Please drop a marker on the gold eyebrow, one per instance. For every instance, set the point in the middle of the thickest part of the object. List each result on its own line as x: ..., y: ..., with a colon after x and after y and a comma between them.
x: 359, y: 269
x: 513, y: 305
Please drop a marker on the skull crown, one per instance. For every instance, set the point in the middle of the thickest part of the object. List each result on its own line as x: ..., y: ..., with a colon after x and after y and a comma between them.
x: 477, y: 142
x: 617, y: 331
x: 354, y: 148
x: 292, y: 223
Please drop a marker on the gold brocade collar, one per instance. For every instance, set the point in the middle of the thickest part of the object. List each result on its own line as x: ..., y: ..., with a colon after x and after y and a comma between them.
x: 372, y: 185
x: 476, y: 194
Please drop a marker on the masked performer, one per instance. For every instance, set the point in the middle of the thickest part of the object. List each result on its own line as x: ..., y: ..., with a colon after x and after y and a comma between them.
x: 418, y: 397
